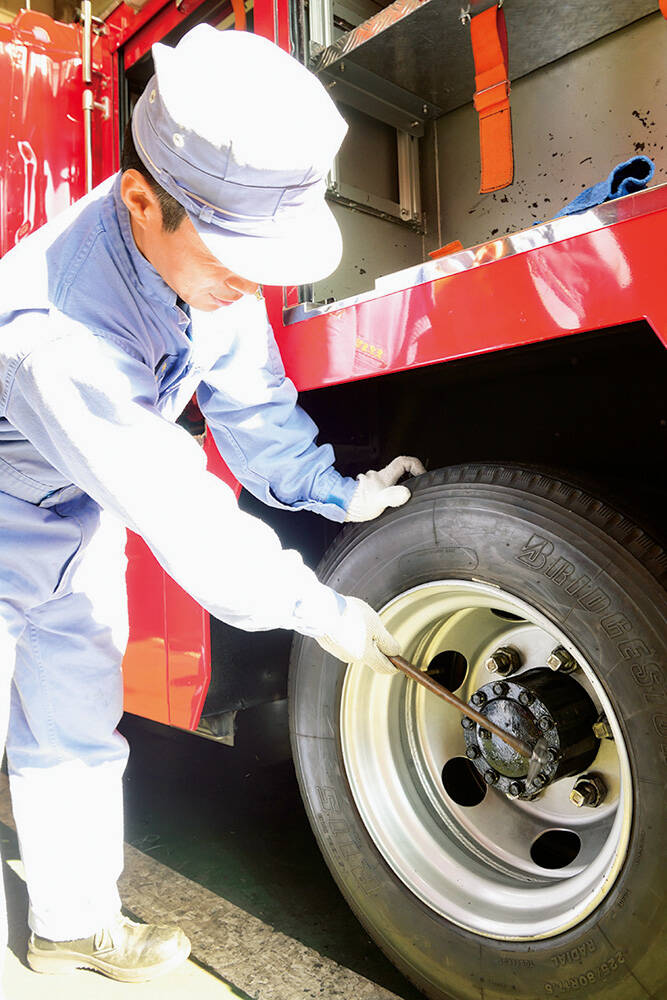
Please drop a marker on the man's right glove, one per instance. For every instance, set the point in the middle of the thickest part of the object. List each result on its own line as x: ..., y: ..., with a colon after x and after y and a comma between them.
x: 359, y: 635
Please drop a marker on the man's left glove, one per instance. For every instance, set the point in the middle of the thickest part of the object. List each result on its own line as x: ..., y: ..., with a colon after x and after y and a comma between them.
x: 377, y: 490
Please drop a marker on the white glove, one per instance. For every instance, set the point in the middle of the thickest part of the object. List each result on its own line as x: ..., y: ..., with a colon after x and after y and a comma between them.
x: 377, y: 490
x: 359, y: 635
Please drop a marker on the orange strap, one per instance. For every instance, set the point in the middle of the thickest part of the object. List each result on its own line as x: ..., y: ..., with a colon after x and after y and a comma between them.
x: 448, y: 248
x: 663, y: 7
x: 488, y: 33
x: 238, y: 7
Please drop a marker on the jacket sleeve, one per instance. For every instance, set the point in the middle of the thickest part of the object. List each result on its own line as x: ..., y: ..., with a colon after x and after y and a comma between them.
x: 263, y: 435
x: 89, y: 408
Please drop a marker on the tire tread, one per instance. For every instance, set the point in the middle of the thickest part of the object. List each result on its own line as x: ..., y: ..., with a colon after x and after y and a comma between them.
x: 560, y: 489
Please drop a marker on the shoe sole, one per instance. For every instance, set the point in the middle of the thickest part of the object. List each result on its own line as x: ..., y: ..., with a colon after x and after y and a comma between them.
x: 63, y: 962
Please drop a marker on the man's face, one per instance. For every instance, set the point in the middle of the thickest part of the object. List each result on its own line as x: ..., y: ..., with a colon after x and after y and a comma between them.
x: 180, y: 257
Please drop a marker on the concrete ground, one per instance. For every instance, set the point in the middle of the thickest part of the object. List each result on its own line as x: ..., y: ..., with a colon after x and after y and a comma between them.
x: 21, y: 983
x: 222, y: 848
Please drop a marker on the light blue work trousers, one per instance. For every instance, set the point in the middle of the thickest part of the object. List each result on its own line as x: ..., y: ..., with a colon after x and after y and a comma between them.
x: 63, y: 632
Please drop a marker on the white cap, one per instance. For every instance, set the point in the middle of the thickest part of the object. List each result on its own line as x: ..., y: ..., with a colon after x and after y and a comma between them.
x: 243, y: 136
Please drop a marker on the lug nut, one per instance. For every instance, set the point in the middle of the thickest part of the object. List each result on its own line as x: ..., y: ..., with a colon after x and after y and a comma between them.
x: 540, y: 780
x: 484, y: 734
x: 545, y: 723
x: 560, y: 659
x: 467, y: 723
x: 589, y: 790
x: 552, y: 755
x: 504, y: 661
x: 479, y: 698
x: 516, y: 788
x: 472, y: 752
x: 500, y: 688
x: 601, y: 728
x: 490, y: 777
x: 526, y: 698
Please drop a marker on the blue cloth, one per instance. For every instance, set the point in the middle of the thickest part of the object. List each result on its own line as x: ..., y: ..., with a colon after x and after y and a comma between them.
x: 625, y: 178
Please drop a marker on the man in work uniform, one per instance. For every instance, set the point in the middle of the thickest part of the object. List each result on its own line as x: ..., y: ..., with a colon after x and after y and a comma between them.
x: 111, y: 316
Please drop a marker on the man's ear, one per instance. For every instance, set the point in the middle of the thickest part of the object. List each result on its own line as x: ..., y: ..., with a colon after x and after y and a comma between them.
x: 140, y: 199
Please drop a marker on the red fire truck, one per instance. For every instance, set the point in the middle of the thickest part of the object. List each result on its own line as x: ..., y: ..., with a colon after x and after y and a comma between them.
x: 523, y: 363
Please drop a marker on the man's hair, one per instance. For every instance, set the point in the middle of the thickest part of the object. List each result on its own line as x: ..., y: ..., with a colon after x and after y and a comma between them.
x: 173, y: 212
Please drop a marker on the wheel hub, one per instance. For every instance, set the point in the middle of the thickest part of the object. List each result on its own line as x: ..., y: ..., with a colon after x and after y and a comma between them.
x: 510, y: 868
x: 538, y: 703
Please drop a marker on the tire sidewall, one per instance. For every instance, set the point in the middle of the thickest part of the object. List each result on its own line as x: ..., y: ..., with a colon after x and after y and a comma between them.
x: 608, y: 605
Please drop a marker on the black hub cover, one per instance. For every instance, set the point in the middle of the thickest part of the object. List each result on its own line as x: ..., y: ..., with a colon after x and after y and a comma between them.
x: 533, y: 704
x: 512, y: 716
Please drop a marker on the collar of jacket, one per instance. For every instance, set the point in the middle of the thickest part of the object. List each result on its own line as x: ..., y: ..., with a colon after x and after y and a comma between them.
x: 119, y: 231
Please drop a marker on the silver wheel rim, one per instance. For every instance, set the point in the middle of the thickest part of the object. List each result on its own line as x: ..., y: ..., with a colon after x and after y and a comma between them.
x: 472, y: 864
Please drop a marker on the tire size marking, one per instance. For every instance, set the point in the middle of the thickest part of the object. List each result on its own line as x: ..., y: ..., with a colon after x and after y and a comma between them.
x: 538, y: 553
x: 342, y: 843
x: 586, y: 979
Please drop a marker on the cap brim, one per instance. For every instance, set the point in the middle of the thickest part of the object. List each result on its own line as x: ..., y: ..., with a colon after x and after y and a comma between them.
x: 307, y: 248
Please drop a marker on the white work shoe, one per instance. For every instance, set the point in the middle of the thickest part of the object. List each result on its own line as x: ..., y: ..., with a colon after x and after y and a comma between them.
x: 125, y: 951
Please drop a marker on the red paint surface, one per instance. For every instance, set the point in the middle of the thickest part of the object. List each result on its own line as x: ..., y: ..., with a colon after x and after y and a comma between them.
x: 155, y: 29
x: 145, y: 675
x: 123, y: 22
x: 41, y: 123
x: 592, y: 281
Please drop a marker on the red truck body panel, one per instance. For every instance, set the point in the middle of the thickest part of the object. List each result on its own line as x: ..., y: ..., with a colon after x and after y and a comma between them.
x: 549, y: 282
x: 506, y: 293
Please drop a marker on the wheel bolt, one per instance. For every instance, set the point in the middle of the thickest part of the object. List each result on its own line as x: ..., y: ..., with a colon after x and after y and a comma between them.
x: 500, y: 688
x: 560, y: 659
x: 472, y: 752
x: 516, y: 788
x: 540, y: 780
x: 484, y: 734
x: 490, y: 777
x: 526, y: 698
x: 479, y: 698
x: 589, y: 790
x: 504, y: 661
x: 545, y: 723
x: 552, y: 755
x: 467, y: 723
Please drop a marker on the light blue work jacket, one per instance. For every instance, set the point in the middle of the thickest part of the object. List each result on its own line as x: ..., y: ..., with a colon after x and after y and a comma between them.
x: 97, y: 360
x: 94, y: 274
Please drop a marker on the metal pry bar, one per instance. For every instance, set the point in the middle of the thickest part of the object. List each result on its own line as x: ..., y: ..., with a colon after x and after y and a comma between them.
x: 532, y: 754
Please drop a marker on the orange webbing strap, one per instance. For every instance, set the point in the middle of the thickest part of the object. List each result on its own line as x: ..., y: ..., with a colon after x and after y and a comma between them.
x: 488, y: 33
x: 663, y: 7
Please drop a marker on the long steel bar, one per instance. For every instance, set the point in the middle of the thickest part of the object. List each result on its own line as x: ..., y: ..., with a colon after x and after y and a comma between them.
x: 427, y: 682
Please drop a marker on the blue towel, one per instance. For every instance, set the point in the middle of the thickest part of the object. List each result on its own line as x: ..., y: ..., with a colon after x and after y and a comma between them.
x: 625, y: 178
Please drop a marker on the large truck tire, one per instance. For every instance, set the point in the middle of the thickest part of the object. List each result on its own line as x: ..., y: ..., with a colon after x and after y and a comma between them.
x: 474, y: 890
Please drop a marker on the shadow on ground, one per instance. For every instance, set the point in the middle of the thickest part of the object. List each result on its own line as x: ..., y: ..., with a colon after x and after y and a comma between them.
x: 240, y: 830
